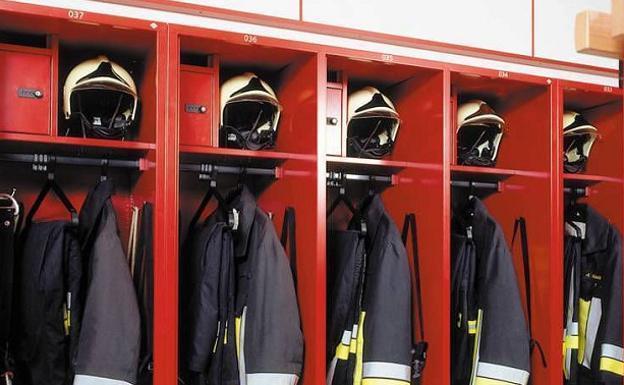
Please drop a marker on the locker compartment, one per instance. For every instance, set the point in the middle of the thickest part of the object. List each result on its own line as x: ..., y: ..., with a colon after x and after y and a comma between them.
x: 405, y: 190
x: 335, y: 119
x: 197, y: 113
x: 291, y: 74
x: 25, y: 100
x: 508, y: 197
x: 416, y: 93
x: 523, y: 103
x: 603, y: 109
x: 134, y: 185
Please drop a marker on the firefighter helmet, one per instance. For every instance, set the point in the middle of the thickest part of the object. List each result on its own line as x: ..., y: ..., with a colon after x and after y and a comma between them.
x: 250, y: 113
x: 479, y: 133
x: 372, y: 124
x: 578, y: 138
x: 103, y: 95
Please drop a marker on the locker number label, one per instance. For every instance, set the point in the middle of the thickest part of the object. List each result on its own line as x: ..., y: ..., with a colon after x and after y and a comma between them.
x: 503, y: 74
x: 608, y: 89
x: 387, y: 57
x: 250, y: 39
x: 75, y: 15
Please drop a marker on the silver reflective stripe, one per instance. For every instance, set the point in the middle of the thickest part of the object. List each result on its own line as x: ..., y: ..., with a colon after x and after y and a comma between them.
x: 332, y: 369
x: 572, y: 329
x: 346, y: 337
x: 477, y: 347
x: 612, y: 351
x: 389, y: 370
x: 502, y: 373
x: 82, y: 379
x: 241, y: 352
x: 593, y: 322
x: 272, y: 379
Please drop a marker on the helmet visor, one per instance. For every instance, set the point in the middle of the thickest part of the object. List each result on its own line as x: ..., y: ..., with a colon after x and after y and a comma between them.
x: 478, y: 144
x: 250, y: 124
x: 372, y: 136
x: 104, y: 113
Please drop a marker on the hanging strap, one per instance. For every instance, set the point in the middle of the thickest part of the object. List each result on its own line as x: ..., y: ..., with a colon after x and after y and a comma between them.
x: 289, y: 236
x: 520, y: 226
x: 409, y: 228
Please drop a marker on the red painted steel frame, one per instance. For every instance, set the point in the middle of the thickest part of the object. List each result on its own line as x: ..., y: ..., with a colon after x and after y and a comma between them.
x: 426, y: 94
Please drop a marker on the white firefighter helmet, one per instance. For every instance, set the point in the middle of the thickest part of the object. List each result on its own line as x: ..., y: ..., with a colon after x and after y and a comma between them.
x: 107, y: 97
x: 250, y: 112
x: 372, y: 123
x: 479, y: 133
x: 578, y: 136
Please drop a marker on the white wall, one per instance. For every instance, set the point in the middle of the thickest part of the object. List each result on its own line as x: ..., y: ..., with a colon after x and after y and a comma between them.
x: 500, y: 25
x: 279, y: 8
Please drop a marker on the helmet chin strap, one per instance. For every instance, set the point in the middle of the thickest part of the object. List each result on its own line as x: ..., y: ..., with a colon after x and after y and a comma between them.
x: 109, y: 132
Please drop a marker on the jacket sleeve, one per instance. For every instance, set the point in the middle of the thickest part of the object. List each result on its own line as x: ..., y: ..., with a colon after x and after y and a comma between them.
x: 502, y: 339
x: 609, y: 350
x: 271, y: 341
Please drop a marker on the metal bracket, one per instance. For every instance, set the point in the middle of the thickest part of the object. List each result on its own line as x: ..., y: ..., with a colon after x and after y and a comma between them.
x: 44, y: 163
x: 208, y: 172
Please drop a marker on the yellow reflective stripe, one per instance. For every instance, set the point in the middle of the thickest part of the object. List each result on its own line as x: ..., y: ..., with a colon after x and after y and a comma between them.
x: 571, y: 342
x: 359, y: 355
x: 383, y: 381
x: 342, y: 352
x: 477, y: 346
x: 472, y: 327
x: 490, y: 381
x: 610, y: 365
x: 353, y: 346
x: 237, y: 326
x: 582, y: 335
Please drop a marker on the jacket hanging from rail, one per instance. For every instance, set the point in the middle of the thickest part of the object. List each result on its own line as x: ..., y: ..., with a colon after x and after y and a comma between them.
x: 108, y: 348
x: 490, y: 340
x: 369, y: 325
x: 593, y: 351
x: 243, y: 314
x: 49, y: 303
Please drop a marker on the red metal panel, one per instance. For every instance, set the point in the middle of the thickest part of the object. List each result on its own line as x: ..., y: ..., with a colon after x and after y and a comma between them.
x: 197, y: 92
x: 333, y: 123
x: 25, y: 72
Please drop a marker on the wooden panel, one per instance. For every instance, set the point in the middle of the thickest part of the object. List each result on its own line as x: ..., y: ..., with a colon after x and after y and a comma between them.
x: 617, y: 14
x: 593, y: 35
x: 25, y: 72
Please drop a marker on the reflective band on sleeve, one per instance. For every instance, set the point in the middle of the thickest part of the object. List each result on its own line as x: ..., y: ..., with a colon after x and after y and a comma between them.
x: 346, y: 337
x: 572, y: 329
x: 242, y: 370
x: 272, y: 379
x: 476, y: 347
x: 571, y: 342
x: 331, y: 371
x: 490, y: 381
x: 472, y: 327
x: 591, y: 331
x: 82, y: 379
x: 383, y: 381
x: 502, y: 373
x: 387, y: 370
x: 359, y: 355
x: 612, y: 351
x: 609, y: 365
x: 342, y: 352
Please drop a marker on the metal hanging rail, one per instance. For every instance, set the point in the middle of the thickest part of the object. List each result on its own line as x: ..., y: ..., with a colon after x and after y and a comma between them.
x: 41, y: 162
x: 335, y: 179
x: 576, y: 191
x: 209, y: 171
x: 477, y: 185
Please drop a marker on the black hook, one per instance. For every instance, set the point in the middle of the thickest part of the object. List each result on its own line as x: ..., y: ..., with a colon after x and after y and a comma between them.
x: 104, y: 170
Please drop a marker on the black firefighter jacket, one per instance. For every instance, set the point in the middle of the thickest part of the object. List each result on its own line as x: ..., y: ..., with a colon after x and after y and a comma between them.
x: 243, y: 319
x: 593, y: 351
x: 108, y: 347
x: 49, y: 303
x: 369, y: 298
x: 490, y: 339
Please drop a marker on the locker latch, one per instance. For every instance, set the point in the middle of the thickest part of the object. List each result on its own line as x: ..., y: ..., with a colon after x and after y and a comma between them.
x: 195, y: 108
x: 29, y: 93
x: 331, y: 121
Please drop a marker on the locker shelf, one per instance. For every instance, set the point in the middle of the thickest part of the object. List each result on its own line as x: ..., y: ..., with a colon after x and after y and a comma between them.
x: 490, y: 173
x: 234, y: 156
x: 10, y: 142
x: 574, y: 180
x: 339, y: 163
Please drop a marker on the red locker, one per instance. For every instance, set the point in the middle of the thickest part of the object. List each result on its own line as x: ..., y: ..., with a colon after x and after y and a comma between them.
x: 25, y: 100
x: 197, y: 93
x: 334, y: 123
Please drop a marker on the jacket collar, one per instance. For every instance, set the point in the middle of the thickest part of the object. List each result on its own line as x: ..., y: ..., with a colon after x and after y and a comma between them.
x: 480, y: 217
x: 244, y: 203
x: 92, y: 208
x: 597, y: 233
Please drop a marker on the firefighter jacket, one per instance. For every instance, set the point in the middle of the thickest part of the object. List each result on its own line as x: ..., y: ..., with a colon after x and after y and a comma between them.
x: 370, y: 330
x: 49, y: 305
x: 243, y: 316
x: 489, y: 335
x: 108, y: 347
x: 593, y: 351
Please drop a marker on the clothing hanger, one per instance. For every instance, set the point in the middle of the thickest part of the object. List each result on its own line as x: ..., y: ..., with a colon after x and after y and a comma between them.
x: 51, y: 185
x: 342, y: 198
x: 212, y: 192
